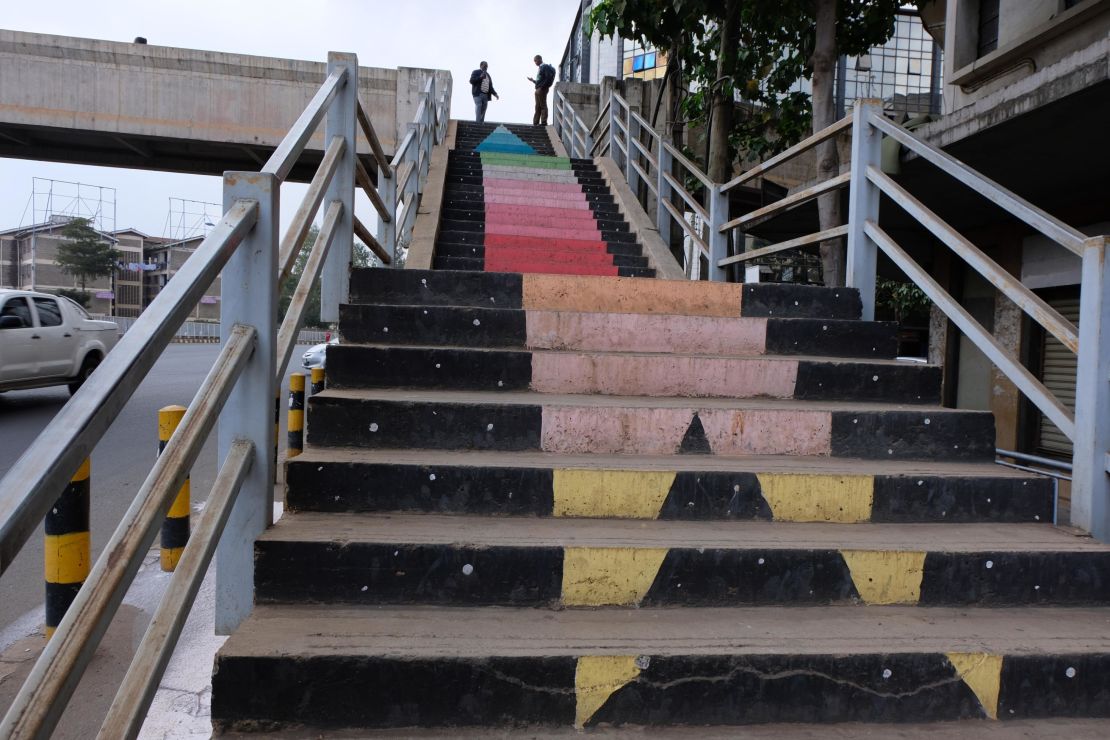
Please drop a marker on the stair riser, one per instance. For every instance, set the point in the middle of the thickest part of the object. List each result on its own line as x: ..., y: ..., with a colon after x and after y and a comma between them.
x: 353, y: 366
x: 478, y: 251
x: 585, y: 229
x: 693, y: 690
x: 540, y: 267
x: 399, y: 572
x: 686, y: 495
x: 615, y: 332
x: 487, y: 257
x: 886, y: 435
x: 579, y: 294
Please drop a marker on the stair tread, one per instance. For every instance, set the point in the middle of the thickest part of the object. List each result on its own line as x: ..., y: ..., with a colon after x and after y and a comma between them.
x: 1073, y: 729
x: 500, y: 531
x: 769, y: 357
x: 709, y: 463
x: 452, y: 632
x: 530, y: 398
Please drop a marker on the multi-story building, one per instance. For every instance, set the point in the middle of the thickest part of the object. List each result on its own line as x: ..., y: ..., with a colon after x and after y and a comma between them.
x: 27, y: 262
x: 146, y: 263
x: 163, y: 260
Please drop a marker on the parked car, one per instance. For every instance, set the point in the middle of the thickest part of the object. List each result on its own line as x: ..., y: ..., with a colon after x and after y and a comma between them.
x: 316, y: 354
x: 49, y: 340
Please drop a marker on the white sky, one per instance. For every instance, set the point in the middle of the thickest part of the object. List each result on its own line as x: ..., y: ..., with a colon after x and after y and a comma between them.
x: 443, y: 34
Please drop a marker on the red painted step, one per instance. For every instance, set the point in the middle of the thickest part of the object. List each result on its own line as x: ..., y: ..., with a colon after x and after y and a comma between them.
x: 538, y: 242
x: 550, y: 268
x: 552, y: 231
x: 570, y: 211
x: 540, y: 217
x: 544, y: 255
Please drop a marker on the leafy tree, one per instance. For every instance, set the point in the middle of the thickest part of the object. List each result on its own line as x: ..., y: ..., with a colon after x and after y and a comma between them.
x: 85, y: 253
x: 902, y: 300
x: 757, y: 51
x: 361, y: 257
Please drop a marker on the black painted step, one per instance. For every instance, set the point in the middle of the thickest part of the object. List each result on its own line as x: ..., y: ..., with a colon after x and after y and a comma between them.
x: 523, y: 421
x: 500, y: 670
x: 697, y: 488
x: 559, y: 562
x: 488, y: 321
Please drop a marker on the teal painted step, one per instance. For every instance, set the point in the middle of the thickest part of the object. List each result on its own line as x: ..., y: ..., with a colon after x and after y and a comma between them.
x: 503, y: 140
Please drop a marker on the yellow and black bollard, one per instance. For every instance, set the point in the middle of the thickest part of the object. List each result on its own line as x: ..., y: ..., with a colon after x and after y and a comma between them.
x: 317, y: 380
x: 295, y: 422
x: 175, y: 528
x: 68, y: 544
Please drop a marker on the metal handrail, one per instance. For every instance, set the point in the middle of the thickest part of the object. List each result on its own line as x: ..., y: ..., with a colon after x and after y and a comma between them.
x: 1055, y: 229
x: 33, y: 482
x: 31, y: 486
x: 802, y: 146
x: 1087, y: 427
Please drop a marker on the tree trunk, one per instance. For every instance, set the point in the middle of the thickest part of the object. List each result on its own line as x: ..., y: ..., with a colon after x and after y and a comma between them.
x: 719, y: 162
x: 824, y: 115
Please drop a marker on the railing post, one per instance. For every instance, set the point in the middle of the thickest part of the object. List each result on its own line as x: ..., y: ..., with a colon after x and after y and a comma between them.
x: 387, y: 232
x: 718, y: 242
x: 663, y: 192
x: 588, y: 143
x: 632, y: 154
x: 1090, y: 492
x: 341, y: 121
x: 863, y: 203
x: 249, y: 296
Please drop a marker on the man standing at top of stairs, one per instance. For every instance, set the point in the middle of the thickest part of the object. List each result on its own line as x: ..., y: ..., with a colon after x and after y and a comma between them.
x: 481, y: 87
x: 543, y: 82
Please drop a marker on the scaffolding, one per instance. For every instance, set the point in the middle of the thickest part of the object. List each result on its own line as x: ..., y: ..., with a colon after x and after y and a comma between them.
x: 188, y: 218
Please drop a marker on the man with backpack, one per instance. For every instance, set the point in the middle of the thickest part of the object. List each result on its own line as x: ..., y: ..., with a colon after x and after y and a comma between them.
x: 481, y: 87
x: 543, y: 82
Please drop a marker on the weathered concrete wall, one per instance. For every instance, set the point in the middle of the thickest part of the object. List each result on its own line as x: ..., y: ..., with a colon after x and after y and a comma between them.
x: 172, y: 108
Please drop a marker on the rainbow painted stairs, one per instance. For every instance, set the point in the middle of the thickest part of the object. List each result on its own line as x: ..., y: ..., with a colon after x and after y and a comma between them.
x: 540, y: 501
x: 510, y: 205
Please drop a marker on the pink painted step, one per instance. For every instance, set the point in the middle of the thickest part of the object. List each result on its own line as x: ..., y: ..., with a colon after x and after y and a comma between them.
x: 639, y: 332
x: 599, y: 257
x: 540, y: 217
x: 530, y: 201
x: 568, y: 210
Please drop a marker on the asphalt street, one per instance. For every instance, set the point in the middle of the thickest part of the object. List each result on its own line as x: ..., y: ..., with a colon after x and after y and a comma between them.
x: 119, y: 463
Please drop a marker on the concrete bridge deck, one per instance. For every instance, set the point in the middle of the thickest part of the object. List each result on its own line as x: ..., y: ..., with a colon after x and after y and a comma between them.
x: 95, y: 102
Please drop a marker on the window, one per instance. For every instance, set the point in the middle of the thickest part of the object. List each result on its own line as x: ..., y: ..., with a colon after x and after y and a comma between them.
x: 50, y: 313
x: 988, y: 27
x: 644, y: 63
x: 18, y: 307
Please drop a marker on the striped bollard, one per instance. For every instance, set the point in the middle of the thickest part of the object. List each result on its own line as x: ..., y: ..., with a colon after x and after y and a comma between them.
x: 175, y: 527
x: 317, y: 380
x: 68, y: 547
x: 295, y: 423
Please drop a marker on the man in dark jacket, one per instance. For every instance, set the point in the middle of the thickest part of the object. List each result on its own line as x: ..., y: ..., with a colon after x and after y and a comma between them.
x: 543, y: 81
x: 481, y: 87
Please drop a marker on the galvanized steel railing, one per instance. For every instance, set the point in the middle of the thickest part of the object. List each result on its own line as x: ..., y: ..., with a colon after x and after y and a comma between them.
x: 246, y: 250
x: 662, y: 170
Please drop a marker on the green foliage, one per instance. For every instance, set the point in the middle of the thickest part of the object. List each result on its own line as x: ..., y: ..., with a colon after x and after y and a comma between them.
x: 361, y: 257
x: 776, y: 46
x: 79, y: 297
x: 85, y: 253
x: 902, y: 300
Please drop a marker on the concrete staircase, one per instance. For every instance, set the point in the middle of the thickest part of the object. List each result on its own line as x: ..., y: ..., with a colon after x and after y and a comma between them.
x: 541, y: 501
x: 510, y: 205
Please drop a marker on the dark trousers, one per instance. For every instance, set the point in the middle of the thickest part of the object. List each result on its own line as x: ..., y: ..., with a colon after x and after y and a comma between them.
x: 541, y: 107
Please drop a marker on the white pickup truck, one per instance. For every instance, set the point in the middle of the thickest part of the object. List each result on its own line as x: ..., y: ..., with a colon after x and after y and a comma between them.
x: 49, y: 340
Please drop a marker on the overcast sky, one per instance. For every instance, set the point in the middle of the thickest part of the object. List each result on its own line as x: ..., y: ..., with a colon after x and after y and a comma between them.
x: 445, y: 34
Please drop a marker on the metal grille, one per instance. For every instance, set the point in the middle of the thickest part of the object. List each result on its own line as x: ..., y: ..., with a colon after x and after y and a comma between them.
x: 1058, y: 372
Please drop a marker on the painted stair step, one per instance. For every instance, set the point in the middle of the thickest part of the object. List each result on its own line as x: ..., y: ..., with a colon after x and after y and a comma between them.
x: 502, y: 668
x: 598, y: 330
x: 662, y: 487
x: 542, y: 220
x: 625, y: 374
x: 540, y: 268
x: 622, y: 255
x: 559, y: 562
x: 642, y: 425
x: 603, y: 295
x: 452, y: 248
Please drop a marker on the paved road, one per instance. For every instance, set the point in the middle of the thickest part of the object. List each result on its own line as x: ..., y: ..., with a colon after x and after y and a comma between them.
x: 119, y: 463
